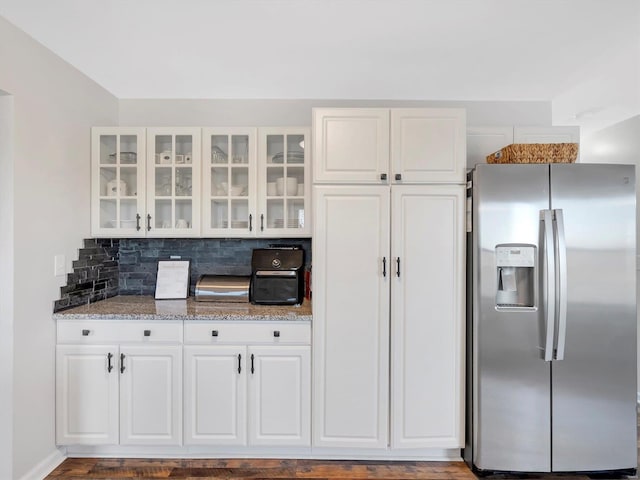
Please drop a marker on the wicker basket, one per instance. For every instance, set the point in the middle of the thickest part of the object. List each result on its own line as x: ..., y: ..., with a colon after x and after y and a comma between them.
x: 535, y: 153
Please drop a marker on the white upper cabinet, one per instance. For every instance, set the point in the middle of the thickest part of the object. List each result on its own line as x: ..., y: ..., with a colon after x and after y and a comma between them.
x: 546, y: 134
x: 284, y: 182
x: 380, y: 145
x: 483, y: 141
x: 428, y: 145
x: 229, y: 185
x: 117, y: 181
x: 173, y: 182
x: 350, y: 145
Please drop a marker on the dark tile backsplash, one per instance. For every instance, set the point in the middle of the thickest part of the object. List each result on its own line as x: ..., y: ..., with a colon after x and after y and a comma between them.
x: 108, y: 267
x: 95, y: 274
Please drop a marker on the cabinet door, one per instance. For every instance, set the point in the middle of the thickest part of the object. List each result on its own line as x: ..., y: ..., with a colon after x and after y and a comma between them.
x: 351, y: 274
x: 173, y: 182
x: 568, y: 134
x: 150, y: 395
x: 428, y: 145
x: 427, y: 309
x: 86, y: 395
x: 483, y: 141
x: 280, y: 395
x: 284, y: 182
x: 229, y: 187
x: 215, y: 395
x: 350, y: 145
x: 117, y: 182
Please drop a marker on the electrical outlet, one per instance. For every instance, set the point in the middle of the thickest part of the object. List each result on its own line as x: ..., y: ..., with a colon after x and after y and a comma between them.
x: 59, y: 265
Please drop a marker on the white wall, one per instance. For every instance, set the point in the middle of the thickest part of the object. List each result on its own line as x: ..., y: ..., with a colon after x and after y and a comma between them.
x: 54, y: 107
x: 619, y: 143
x: 6, y: 285
x: 230, y: 113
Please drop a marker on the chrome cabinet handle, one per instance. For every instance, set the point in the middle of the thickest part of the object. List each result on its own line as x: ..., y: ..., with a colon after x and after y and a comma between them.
x: 262, y: 222
x: 147, y: 333
x: 214, y: 333
x: 276, y: 333
x: 384, y: 266
x: 250, y: 222
x: 398, y: 267
x: 137, y: 222
x: 239, y: 363
x: 148, y: 222
x: 85, y: 333
x: 383, y: 176
x: 398, y: 176
x: 252, y: 366
x: 122, y: 363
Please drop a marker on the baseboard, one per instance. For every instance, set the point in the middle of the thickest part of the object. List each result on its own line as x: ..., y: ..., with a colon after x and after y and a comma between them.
x: 46, y: 466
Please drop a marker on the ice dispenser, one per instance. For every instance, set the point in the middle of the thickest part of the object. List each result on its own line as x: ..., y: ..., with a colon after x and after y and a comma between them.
x: 515, y: 265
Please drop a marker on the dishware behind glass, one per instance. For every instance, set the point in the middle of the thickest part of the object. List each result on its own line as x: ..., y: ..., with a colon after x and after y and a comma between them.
x: 280, y: 186
x: 271, y: 189
x: 182, y: 223
x: 300, y: 190
x: 292, y: 186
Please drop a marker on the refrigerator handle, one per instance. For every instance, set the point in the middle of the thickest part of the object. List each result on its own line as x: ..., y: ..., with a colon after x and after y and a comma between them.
x: 561, y: 284
x: 549, y: 287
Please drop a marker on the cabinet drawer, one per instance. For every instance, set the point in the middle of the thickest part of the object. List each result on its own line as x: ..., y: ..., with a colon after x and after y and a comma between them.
x: 119, y: 331
x: 234, y: 333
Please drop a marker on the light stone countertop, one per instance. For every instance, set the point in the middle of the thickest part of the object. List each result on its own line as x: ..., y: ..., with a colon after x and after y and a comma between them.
x: 132, y: 307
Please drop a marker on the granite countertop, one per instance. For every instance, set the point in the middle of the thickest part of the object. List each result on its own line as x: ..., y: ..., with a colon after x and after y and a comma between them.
x: 131, y: 307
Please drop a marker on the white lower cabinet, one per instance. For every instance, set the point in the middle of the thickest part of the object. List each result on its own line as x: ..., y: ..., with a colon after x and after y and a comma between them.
x: 127, y: 393
x: 388, y: 291
x: 245, y: 388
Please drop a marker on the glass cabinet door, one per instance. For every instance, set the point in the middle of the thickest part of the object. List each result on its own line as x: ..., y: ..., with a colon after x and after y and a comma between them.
x: 284, y: 182
x: 118, y: 161
x: 229, y: 186
x: 173, y: 178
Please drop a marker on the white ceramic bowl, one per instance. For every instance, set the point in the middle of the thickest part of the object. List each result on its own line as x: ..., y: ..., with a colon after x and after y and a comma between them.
x: 236, y: 190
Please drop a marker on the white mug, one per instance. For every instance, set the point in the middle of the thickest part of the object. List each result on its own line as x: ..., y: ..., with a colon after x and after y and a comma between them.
x: 292, y: 186
x: 182, y: 223
x: 166, y: 224
x: 271, y: 189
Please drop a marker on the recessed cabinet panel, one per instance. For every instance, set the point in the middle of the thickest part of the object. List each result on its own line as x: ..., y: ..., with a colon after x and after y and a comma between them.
x: 351, y: 145
x: 427, y: 317
x: 117, y: 185
x: 428, y: 145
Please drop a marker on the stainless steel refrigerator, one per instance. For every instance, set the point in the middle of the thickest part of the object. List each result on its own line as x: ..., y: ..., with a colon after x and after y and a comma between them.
x: 551, y: 321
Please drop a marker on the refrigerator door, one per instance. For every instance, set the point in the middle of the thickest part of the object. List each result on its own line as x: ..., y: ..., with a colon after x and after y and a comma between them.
x: 511, y: 387
x: 594, y: 385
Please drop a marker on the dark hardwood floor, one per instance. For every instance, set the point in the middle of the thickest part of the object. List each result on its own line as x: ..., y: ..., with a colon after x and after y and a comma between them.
x: 255, y: 469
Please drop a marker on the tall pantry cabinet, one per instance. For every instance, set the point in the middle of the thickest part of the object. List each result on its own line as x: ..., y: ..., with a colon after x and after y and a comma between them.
x: 388, y: 247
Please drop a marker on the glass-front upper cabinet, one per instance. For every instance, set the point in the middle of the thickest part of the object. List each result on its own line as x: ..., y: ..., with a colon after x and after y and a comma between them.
x: 173, y: 182
x: 117, y: 181
x: 229, y: 182
x: 284, y: 182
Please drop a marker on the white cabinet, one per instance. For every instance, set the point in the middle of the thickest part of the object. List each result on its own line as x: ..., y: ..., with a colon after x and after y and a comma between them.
x: 118, y: 382
x: 118, y: 181
x: 351, y: 316
x: 411, y: 273
x: 483, y: 141
x: 398, y: 145
x: 279, y: 395
x: 247, y: 384
x: 427, y: 316
x: 284, y: 182
x: 86, y: 395
x: 173, y: 182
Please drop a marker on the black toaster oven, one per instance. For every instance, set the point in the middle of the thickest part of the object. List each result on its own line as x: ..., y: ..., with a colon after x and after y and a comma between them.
x: 277, y: 276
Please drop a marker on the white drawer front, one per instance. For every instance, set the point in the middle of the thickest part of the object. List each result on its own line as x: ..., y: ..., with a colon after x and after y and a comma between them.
x: 266, y: 333
x: 119, y: 331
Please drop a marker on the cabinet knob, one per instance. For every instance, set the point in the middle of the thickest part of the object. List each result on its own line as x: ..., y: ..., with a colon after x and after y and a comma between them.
x: 147, y: 333
x: 85, y: 333
x: 214, y: 333
x: 276, y: 333
x: 383, y: 176
x: 398, y: 176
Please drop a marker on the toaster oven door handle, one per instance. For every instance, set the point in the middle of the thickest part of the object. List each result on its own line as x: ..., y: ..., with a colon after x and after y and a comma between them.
x: 276, y: 273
